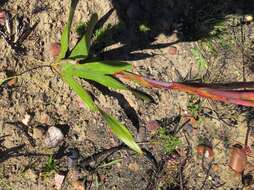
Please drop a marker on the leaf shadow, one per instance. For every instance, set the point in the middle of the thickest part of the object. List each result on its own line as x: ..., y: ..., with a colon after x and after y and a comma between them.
x: 124, y: 104
x: 189, y: 20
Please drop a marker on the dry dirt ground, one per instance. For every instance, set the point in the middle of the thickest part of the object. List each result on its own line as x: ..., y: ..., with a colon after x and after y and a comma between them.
x: 45, y: 100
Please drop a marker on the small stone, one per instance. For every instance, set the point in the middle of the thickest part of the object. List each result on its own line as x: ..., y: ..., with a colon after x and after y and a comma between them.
x: 53, y: 137
x: 12, y: 82
x: 54, y: 49
x: 59, y: 179
x: 26, y: 120
x: 172, y: 50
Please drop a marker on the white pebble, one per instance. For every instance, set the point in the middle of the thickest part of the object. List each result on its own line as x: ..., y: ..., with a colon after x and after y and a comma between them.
x: 53, y: 137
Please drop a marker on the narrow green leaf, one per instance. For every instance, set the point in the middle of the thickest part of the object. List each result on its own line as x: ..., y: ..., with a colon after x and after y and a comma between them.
x: 121, y: 132
x: 108, y: 81
x: 111, y: 163
x: 81, y: 50
x: 105, y: 80
x: 66, y: 32
x: 67, y: 74
x: 101, y: 67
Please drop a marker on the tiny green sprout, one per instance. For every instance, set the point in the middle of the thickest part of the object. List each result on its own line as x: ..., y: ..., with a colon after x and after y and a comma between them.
x: 143, y: 28
x: 194, y: 107
x: 113, y: 162
x: 50, y: 165
x: 168, y: 141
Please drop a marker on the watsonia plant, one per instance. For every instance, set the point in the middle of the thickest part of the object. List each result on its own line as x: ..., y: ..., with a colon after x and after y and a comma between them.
x: 75, y: 63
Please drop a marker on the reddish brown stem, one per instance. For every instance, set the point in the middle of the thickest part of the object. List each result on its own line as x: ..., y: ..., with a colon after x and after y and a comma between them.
x: 240, y: 97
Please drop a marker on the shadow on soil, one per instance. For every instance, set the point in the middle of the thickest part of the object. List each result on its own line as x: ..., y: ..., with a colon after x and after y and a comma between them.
x: 15, y: 151
x: 141, y: 22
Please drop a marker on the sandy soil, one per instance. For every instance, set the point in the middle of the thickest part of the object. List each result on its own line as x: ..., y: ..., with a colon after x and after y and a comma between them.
x: 41, y: 96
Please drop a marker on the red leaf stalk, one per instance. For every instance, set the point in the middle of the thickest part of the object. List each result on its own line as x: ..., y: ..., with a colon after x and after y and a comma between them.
x: 239, y: 97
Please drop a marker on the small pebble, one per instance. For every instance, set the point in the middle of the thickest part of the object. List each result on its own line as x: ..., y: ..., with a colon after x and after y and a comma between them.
x: 59, y: 179
x: 53, y: 137
x: 12, y: 82
x: 172, y: 50
x: 54, y: 49
x: 26, y: 119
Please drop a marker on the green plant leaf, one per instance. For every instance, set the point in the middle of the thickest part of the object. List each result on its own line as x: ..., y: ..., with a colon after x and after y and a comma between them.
x: 109, y: 82
x: 101, y: 68
x: 66, y: 32
x: 67, y: 75
x: 81, y: 50
x: 121, y: 132
x: 113, y: 162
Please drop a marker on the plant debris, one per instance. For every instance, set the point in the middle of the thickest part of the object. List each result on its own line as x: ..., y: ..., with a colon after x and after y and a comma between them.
x: 15, y: 30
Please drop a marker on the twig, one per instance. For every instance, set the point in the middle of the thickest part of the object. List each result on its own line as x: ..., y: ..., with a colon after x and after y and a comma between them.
x: 181, y: 166
x: 23, y: 72
x: 247, y: 135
